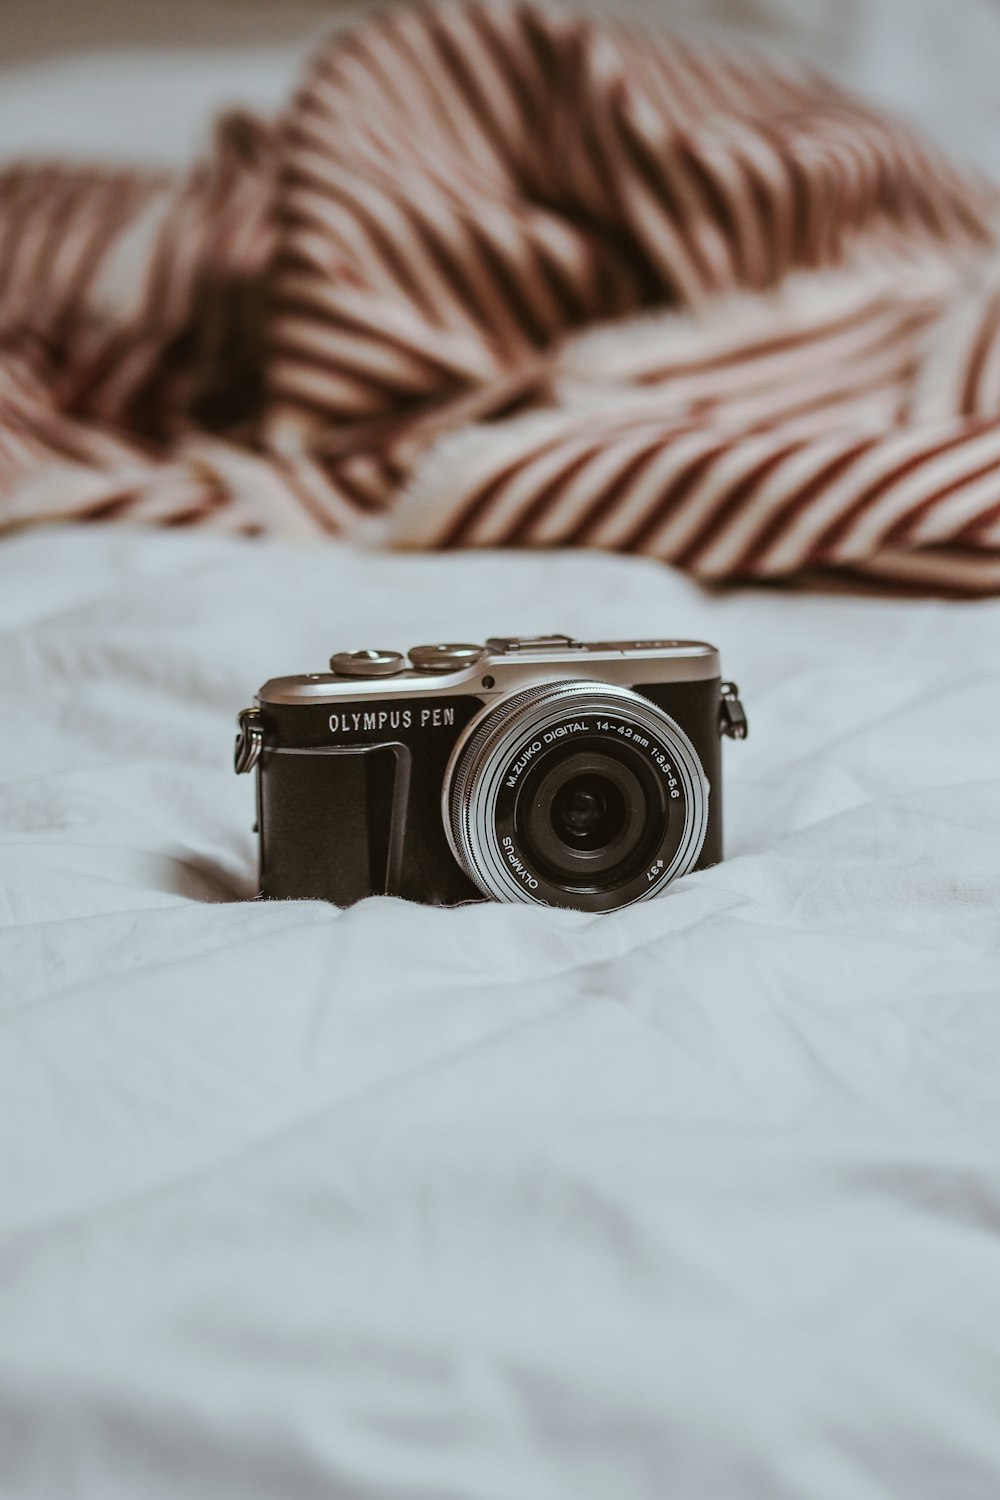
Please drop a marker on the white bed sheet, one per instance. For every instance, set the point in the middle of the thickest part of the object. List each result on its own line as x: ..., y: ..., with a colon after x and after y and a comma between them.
x: 701, y: 1199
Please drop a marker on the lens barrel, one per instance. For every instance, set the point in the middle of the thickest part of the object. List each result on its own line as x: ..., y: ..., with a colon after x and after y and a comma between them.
x: 578, y: 794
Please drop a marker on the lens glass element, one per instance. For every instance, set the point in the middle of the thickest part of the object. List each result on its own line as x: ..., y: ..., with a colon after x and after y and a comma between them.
x: 586, y: 814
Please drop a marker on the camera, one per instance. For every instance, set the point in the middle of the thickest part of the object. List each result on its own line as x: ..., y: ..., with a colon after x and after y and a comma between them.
x: 535, y: 769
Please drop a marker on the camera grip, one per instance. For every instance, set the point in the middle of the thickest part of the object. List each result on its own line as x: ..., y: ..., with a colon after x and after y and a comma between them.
x: 333, y: 821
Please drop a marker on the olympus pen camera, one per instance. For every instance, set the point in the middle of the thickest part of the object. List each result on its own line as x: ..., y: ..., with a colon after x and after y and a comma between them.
x: 537, y: 769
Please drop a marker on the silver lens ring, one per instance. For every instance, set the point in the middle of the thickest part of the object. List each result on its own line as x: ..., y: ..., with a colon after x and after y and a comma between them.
x: 479, y: 768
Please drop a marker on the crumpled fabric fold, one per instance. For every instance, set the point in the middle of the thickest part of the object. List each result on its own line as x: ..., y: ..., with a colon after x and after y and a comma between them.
x: 505, y: 275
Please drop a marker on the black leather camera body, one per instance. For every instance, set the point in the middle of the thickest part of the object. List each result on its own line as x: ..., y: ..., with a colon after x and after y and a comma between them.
x: 538, y: 769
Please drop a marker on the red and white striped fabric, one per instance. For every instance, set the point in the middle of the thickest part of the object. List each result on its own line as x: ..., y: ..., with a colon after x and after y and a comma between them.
x: 502, y: 275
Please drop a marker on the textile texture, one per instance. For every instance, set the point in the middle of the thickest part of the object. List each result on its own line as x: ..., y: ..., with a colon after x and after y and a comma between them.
x: 504, y: 275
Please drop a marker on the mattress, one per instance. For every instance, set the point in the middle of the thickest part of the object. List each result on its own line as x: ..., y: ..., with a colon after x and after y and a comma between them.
x: 700, y: 1199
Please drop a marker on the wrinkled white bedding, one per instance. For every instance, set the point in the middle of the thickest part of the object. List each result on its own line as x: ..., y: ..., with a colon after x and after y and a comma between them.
x: 700, y: 1199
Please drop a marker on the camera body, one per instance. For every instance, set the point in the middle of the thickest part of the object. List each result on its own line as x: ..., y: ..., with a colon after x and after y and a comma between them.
x: 537, y: 769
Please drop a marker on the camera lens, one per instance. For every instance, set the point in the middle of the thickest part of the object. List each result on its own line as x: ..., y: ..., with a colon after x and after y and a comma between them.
x: 579, y: 794
x: 583, y: 815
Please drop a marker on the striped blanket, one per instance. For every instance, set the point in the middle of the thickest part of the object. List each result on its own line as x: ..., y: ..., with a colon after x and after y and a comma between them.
x: 503, y: 275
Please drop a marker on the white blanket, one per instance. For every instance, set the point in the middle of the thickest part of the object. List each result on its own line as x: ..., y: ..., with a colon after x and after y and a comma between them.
x: 698, y: 1200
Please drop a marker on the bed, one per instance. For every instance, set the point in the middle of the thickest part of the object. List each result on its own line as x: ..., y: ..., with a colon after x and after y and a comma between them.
x: 700, y: 1199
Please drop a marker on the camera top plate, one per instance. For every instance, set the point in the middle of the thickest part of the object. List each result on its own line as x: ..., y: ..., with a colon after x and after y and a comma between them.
x: 503, y: 665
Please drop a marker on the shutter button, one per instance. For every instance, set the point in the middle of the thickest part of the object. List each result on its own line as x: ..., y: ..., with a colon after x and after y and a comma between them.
x: 445, y: 658
x: 366, y: 663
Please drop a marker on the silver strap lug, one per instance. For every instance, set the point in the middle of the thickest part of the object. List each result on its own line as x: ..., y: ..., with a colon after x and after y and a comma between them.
x: 732, y: 719
x: 249, y: 740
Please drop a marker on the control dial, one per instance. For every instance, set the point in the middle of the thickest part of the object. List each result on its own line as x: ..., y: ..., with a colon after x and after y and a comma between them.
x: 367, y: 663
x: 445, y: 658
